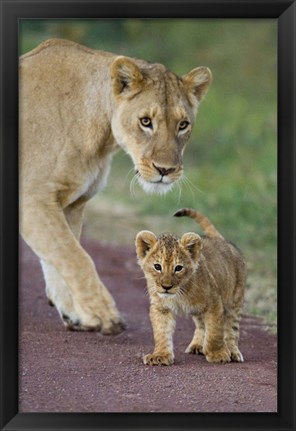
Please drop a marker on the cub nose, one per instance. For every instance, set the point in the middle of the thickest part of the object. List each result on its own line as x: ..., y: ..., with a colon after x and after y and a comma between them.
x: 164, y: 171
x: 167, y: 287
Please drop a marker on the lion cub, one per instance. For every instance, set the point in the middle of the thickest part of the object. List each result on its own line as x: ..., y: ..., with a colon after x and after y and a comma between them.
x: 201, y: 277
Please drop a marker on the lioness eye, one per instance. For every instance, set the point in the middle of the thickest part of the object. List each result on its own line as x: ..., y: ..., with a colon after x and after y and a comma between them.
x: 146, y: 122
x: 183, y: 125
x: 178, y: 268
x: 157, y: 267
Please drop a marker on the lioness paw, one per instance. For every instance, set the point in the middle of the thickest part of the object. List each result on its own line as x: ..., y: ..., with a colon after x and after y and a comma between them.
x: 99, y: 316
x: 77, y: 325
x: 103, y: 324
x: 158, y: 359
x: 116, y: 327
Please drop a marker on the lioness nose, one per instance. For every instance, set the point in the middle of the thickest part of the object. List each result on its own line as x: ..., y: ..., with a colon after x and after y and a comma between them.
x: 164, y: 171
x: 167, y: 287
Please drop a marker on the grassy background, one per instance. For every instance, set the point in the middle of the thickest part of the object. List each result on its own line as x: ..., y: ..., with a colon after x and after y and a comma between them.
x: 231, y: 160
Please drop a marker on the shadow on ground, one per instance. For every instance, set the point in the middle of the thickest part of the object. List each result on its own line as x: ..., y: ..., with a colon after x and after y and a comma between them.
x: 62, y: 371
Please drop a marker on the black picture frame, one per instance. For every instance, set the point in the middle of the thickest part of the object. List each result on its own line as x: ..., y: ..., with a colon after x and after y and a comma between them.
x: 285, y: 13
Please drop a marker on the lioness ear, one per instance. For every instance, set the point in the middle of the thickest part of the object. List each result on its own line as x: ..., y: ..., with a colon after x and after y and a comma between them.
x: 192, y: 242
x: 125, y: 75
x: 197, y: 82
x: 145, y: 240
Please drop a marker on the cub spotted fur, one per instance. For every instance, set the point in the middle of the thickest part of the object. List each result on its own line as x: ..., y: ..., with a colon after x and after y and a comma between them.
x: 201, y: 277
x: 77, y: 107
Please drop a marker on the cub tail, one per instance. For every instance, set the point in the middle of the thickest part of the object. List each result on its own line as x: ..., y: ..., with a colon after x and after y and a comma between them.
x: 208, y: 228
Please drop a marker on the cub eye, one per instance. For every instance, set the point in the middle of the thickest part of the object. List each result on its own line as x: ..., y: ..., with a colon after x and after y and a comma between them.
x: 178, y: 268
x: 146, y: 122
x: 183, y: 125
x: 157, y: 267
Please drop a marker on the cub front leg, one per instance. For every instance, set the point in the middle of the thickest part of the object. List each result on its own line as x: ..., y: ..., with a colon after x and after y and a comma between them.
x: 163, y: 325
x: 196, y: 345
x: 45, y: 229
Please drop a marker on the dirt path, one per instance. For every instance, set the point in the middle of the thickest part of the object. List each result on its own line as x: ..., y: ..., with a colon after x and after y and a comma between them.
x: 62, y: 371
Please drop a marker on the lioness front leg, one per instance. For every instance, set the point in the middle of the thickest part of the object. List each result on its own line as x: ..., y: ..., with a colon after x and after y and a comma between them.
x: 214, y: 347
x: 163, y: 325
x: 57, y: 290
x: 45, y: 229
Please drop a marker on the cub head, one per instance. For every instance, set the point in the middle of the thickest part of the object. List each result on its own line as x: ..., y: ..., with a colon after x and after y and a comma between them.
x: 167, y: 261
x: 153, y: 116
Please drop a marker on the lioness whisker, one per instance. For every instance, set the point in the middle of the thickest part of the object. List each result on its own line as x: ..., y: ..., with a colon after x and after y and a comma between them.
x: 131, y: 170
x: 190, y: 184
x: 132, y: 185
x: 179, y: 185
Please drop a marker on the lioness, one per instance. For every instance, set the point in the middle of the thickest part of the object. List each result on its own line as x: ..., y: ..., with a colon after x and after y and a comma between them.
x: 201, y: 277
x: 77, y: 107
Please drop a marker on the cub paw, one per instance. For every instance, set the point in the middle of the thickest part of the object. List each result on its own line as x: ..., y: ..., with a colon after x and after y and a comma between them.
x: 236, y: 356
x: 194, y: 349
x: 158, y: 359
x: 221, y: 356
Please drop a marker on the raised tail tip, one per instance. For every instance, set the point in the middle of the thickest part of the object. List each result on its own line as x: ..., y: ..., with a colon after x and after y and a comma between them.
x: 180, y: 213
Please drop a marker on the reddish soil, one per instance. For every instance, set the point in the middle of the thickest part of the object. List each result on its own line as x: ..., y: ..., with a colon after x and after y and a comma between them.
x: 62, y: 371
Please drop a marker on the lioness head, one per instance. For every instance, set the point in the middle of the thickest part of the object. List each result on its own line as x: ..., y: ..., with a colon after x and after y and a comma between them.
x: 167, y: 262
x: 153, y: 116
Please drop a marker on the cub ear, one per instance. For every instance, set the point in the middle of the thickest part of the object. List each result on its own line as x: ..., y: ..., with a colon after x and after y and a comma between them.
x: 125, y: 75
x: 197, y: 82
x: 145, y: 240
x: 192, y: 243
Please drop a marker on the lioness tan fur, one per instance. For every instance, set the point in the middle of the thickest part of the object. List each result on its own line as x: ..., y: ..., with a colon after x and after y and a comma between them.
x: 201, y: 277
x: 77, y: 107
